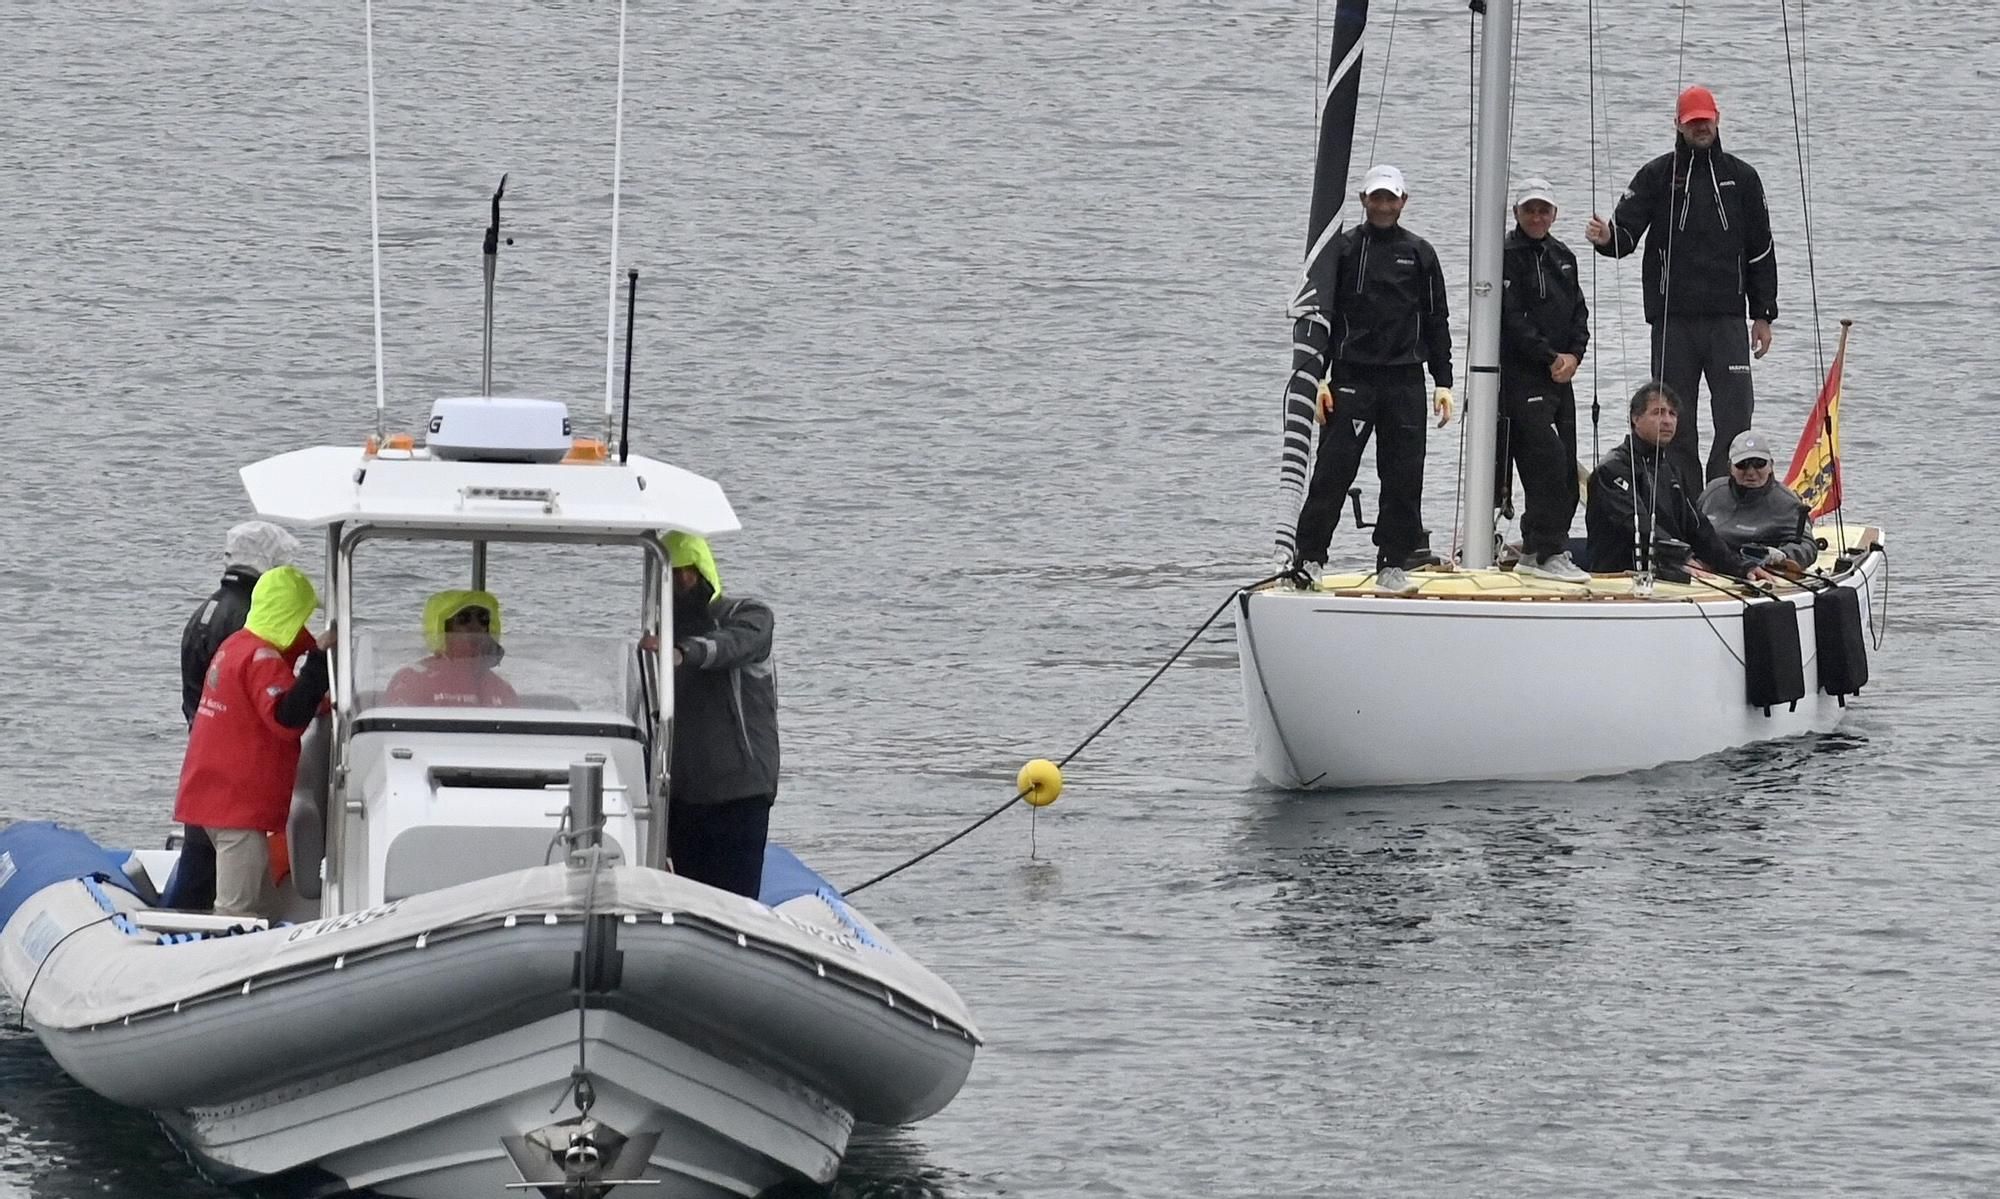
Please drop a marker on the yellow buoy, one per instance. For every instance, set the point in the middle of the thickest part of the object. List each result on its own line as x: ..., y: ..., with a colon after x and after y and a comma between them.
x: 1039, y: 782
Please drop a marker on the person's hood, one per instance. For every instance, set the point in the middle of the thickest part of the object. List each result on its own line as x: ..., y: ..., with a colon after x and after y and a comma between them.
x: 258, y: 546
x: 441, y: 607
x: 686, y: 549
x: 280, y: 605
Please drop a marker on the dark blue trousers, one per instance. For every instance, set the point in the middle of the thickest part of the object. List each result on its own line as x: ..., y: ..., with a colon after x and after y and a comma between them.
x: 721, y: 844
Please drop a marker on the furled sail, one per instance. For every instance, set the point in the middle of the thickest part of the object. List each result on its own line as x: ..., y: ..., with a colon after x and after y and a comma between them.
x: 1310, y: 327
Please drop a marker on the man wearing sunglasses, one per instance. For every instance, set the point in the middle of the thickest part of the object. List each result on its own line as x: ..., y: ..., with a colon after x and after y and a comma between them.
x: 462, y: 631
x: 1758, y: 516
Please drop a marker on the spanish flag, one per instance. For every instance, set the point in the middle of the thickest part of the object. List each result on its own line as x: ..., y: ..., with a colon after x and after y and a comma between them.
x: 1815, y: 470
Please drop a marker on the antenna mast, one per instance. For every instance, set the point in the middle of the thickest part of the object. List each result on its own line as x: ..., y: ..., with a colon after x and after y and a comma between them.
x: 492, y: 253
x: 374, y: 220
x: 617, y: 174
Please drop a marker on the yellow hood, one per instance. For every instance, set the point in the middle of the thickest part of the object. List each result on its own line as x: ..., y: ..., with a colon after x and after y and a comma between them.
x: 280, y: 604
x: 444, y: 605
x: 685, y: 549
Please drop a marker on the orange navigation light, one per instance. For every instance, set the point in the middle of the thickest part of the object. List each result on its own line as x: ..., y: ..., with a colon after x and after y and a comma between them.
x: 586, y: 449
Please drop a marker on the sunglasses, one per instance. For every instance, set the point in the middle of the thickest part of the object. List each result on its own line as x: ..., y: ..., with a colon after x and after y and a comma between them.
x: 469, y: 617
x: 1753, y: 464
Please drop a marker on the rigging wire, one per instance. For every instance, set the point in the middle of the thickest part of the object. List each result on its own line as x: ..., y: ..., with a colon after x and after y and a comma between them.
x: 1382, y: 94
x: 1800, y: 133
x: 1458, y: 499
x: 1680, y: 66
x: 1805, y: 179
x: 1319, y: 39
x: 1590, y: 58
x: 1081, y: 745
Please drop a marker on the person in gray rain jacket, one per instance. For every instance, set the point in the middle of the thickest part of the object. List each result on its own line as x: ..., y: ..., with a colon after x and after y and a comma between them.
x: 725, y: 763
x: 1759, y: 517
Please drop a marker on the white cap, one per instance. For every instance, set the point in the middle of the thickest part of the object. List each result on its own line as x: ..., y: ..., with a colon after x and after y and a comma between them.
x: 1383, y: 178
x: 1537, y: 188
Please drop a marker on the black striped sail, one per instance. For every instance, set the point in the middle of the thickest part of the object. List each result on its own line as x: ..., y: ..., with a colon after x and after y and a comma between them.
x: 1310, y: 327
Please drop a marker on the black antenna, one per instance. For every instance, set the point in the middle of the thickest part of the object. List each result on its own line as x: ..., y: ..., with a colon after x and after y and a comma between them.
x: 625, y: 418
x: 492, y: 252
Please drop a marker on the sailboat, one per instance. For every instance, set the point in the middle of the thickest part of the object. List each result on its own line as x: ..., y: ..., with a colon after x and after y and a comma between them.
x: 488, y: 977
x: 1483, y: 674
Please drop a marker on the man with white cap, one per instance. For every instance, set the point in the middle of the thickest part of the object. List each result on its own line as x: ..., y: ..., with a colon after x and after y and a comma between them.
x: 248, y: 551
x: 1710, y: 262
x: 1758, y: 516
x: 1377, y: 313
x: 1544, y: 327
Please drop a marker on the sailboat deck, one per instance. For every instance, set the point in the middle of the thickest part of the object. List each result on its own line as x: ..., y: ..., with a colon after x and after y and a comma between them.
x: 1497, y: 584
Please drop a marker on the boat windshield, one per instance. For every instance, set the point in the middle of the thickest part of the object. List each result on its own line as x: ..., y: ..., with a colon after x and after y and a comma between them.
x: 594, y: 675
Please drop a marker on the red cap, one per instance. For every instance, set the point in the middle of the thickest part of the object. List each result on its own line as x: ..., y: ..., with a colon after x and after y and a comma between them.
x: 1697, y: 104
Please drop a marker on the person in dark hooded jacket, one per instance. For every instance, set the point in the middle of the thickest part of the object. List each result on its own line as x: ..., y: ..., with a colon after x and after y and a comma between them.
x: 725, y: 734
x: 248, y: 550
x: 1709, y: 263
x: 1544, y: 327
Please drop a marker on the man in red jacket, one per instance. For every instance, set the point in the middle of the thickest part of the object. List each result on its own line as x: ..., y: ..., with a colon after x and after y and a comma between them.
x: 243, y: 749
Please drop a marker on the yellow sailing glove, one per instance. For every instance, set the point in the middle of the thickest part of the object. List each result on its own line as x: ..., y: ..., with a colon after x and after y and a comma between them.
x: 1441, y: 404
x: 1325, y: 408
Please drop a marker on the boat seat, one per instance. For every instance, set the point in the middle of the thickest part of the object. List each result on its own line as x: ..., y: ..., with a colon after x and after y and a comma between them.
x: 305, y: 824
x: 434, y: 856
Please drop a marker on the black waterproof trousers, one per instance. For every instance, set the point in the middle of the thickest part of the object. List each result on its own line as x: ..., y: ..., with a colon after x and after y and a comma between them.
x: 721, y: 844
x: 1387, y: 403
x: 1531, y: 438
x: 1687, y: 349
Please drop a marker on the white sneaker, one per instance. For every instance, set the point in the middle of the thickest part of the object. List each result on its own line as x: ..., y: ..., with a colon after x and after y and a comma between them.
x: 1396, y: 580
x: 1559, y: 567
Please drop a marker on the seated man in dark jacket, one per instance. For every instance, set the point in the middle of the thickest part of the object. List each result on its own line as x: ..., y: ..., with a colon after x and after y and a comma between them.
x: 1645, y: 490
x: 1764, y: 520
x: 725, y: 768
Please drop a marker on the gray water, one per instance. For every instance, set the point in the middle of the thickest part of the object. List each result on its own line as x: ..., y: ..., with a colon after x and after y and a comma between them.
x: 977, y: 311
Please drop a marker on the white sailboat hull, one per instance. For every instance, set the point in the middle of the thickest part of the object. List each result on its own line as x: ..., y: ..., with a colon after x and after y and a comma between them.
x: 1364, y: 690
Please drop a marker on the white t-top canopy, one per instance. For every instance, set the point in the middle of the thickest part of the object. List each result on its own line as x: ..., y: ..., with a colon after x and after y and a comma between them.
x: 325, y: 484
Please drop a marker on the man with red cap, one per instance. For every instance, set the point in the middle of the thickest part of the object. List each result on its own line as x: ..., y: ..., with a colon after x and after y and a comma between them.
x: 1710, y: 264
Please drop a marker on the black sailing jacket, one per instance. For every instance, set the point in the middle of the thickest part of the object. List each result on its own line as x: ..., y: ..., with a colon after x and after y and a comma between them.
x: 1542, y: 311
x: 219, y: 615
x: 1382, y: 294
x: 1665, y: 492
x: 1705, y: 209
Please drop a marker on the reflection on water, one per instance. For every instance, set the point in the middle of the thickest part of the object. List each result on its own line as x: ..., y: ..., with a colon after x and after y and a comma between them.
x: 59, y: 1141
x: 890, y: 1163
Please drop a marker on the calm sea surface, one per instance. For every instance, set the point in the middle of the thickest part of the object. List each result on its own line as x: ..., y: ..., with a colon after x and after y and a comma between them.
x: 977, y: 311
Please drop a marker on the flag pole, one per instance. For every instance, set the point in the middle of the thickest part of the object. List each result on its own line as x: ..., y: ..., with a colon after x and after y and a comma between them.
x: 1833, y: 442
